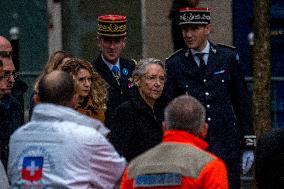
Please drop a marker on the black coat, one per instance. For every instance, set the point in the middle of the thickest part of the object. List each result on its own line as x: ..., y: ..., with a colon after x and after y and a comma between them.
x: 135, y: 128
x: 269, y: 160
x: 11, y: 118
x: 223, y: 93
x: 116, y: 93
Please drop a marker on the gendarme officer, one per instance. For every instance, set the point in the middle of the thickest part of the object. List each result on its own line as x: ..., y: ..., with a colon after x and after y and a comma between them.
x: 116, y: 71
x: 212, y: 74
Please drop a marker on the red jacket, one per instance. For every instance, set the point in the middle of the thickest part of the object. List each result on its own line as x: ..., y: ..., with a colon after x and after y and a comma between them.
x: 179, y: 162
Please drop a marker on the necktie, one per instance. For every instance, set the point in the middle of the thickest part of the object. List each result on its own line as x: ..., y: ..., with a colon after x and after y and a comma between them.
x: 202, y: 65
x: 115, y: 71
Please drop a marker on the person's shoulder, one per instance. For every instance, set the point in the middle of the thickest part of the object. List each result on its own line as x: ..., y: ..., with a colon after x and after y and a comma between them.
x: 226, y: 48
x: 176, y: 54
x: 128, y: 62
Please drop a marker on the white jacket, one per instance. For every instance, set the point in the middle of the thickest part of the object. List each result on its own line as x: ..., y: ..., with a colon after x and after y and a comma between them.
x: 60, y: 148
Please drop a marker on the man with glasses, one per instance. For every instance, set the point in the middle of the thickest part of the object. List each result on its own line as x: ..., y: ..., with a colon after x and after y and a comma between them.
x: 11, y: 110
x: 3, y: 176
x: 18, y: 87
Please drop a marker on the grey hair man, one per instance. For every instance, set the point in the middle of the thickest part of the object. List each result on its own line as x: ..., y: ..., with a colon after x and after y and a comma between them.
x: 181, y: 160
x: 60, y: 148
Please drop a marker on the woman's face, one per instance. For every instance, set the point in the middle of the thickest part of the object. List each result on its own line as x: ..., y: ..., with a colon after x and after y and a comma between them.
x: 83, y: 82
x: 152, y: 83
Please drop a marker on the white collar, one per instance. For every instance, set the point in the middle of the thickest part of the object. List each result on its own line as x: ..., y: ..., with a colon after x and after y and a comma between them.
x: 205, y: 50
x: 110, y: 65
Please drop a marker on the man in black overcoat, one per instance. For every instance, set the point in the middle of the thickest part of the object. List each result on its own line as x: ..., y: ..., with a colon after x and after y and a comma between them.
x: 116, y: 71
x: 212, y: 74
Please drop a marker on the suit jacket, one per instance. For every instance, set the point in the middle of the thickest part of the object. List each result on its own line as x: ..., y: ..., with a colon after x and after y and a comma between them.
x: 117, y: 93
x: 222, y: 91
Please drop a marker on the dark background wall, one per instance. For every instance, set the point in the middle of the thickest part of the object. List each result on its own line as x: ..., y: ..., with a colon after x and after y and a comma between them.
x: 80, y: 21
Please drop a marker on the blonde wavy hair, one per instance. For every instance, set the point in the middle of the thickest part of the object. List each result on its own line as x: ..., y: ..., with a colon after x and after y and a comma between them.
x: 98, y: 93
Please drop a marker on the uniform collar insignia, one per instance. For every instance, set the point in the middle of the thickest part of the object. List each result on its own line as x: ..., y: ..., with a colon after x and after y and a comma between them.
x: 213, y: 49
x: 186, y: 53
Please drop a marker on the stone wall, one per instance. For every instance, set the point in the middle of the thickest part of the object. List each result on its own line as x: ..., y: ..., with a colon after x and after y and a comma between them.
x: 156, y: 28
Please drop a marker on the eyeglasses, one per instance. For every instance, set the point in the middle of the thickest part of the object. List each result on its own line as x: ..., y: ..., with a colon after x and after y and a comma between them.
x: 8, y: 74
x: 6, y: 54
x: 153, y: 78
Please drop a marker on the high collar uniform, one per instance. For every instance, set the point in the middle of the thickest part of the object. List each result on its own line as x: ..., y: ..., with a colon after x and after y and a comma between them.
x: 180, y: 154
x: 61, y: 148
x: 223, y: 92
x: 118, y: 92
x: 135, y: 127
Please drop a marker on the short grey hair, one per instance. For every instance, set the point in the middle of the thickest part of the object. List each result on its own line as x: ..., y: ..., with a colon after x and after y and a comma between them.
x: 140, y: 68
x: 185, y: 113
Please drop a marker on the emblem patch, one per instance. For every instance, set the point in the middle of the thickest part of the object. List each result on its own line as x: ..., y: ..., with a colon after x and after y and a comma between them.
x: 32, y: 168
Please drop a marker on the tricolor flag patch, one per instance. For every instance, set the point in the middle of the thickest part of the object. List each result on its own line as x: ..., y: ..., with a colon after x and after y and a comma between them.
x: 32, y: 168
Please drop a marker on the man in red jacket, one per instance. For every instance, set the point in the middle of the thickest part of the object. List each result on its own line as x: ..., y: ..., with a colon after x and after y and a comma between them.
x: 181, y: 160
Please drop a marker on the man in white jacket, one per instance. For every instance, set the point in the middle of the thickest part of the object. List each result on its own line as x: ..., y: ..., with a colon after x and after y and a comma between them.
x: 59, y: 147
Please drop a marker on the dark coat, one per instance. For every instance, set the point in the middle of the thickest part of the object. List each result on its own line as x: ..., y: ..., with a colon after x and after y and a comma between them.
x: 223, y: 93
x: 269, y: 160
x: 116, y: 93
x: 11, y: 118
x: 135, y: 128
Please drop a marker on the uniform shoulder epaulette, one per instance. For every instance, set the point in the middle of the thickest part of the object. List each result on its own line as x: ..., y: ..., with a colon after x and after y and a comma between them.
x: 174, y: 53
x: 228, y: 46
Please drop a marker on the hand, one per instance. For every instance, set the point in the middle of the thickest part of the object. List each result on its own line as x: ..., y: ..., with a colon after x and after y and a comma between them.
x: 247, y: 161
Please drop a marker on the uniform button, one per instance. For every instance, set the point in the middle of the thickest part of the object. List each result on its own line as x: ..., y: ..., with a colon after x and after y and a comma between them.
x: 204, y: 80
x: 206, y: 93
x: 223, y: 80
x: 209, y: 119
x: 208, y: 106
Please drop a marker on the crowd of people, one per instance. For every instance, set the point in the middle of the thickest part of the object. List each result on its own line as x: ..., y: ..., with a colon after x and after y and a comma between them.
x: 180, y: 123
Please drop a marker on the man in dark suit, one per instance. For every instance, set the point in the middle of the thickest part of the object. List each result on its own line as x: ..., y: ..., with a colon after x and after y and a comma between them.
x: 116, y: 71
x: 212, y: 74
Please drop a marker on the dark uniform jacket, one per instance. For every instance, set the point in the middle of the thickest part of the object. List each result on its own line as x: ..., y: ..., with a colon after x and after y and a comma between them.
x: 11, y: 118
x: 222, y: 91
x: 116, y: 93
x: 135, y: 127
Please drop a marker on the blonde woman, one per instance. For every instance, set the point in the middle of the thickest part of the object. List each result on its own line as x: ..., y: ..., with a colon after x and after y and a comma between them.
x: 90, y: 88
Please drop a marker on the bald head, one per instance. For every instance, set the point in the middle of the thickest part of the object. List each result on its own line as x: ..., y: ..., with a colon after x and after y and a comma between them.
x: 185, y: 113
x: 57, y: 87
x: 5, y: 44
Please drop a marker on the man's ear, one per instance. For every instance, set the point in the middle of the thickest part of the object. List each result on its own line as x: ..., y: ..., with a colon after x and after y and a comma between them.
x: 123, y: 42
x: 203, y: 131
x: 165, y: 126
x: 99, y: 42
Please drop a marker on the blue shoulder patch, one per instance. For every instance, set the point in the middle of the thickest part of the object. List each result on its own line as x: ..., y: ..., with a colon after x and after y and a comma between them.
x: 163, y: 179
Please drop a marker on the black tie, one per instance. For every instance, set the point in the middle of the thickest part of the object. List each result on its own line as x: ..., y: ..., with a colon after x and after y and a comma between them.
x: 202, y: 65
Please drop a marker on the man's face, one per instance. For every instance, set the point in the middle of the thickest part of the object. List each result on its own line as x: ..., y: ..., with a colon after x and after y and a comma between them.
x: 2, y: 82
x: 111, y: 47
x: 9, y: 74
x: 195, y: 37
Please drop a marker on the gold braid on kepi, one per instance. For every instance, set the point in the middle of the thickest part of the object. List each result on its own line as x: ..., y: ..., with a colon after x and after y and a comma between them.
x: 112, y: 25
